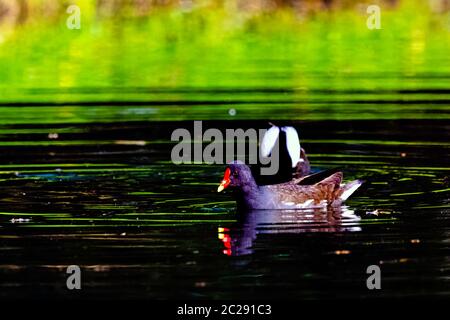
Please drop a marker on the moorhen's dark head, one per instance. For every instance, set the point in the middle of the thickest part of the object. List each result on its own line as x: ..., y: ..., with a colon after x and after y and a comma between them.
x: 237, y: 174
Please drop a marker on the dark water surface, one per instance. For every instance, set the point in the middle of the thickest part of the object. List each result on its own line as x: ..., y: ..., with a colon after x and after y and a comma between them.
x: 104, y: 195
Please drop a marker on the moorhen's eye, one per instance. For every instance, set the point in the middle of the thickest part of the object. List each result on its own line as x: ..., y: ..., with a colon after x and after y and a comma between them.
x: 235, y: 174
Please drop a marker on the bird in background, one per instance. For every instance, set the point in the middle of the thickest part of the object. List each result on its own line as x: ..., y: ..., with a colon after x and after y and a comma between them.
x: 292, y: 157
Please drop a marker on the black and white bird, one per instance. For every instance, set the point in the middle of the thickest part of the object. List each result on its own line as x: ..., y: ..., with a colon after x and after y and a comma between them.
x: 293, y: 162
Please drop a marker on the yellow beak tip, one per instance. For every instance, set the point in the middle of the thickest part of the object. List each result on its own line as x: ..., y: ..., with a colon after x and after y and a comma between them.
x: 220, y: 188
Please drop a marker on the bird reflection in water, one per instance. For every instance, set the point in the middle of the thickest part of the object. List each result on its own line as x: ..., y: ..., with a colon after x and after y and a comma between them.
x: 238, y: 239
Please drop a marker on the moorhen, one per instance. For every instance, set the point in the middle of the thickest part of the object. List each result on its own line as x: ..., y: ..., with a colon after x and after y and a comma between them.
x: 289, y: 150
x: 288, y: 195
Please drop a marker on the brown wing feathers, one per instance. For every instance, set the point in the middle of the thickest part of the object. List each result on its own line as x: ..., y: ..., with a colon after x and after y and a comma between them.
x: 329, y: 188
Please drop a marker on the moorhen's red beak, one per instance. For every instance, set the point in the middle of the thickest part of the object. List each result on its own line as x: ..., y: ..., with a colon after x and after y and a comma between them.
x: 225, y: 181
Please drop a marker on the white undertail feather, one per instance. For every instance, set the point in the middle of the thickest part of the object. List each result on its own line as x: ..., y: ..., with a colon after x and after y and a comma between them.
x: 293, y: 144
x: 350, y: 188
x: 269, y: 140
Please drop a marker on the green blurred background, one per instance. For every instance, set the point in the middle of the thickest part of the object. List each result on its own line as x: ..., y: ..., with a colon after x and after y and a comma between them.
x: 258, y: 55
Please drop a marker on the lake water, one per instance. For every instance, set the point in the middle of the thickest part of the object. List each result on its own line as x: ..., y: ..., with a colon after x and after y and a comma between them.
x: 105, y: 196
